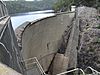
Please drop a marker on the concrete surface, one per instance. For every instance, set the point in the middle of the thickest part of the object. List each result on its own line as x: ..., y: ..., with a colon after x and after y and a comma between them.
x: 5, y: 70
x: 35, y: 70
x: 72, y: 46
x: 60, y: 64
x: 42, y: 38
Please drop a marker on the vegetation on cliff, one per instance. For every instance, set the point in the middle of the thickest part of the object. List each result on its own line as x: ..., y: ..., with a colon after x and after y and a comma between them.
x: 28, y: 6
x: 63, y: 5
x: 21, y: 6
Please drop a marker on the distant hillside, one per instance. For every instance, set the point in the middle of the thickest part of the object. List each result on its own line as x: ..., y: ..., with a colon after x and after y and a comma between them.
x: 23, y: 6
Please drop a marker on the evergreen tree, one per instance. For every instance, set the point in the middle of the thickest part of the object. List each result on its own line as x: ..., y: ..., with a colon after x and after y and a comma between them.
x: 65, y: 4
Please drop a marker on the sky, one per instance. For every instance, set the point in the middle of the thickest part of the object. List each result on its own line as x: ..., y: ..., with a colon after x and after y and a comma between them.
x: 25, y: 0
x: 12, y: 0
x: 29, y: 0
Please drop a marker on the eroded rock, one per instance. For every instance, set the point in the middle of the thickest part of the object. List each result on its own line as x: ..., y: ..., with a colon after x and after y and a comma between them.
x: 88, y: 54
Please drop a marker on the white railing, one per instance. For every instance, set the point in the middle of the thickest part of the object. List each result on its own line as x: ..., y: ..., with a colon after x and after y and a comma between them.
x: 94, y: 72
x: 3, y: 9
x: 66, y: 72
x: 31, y: 61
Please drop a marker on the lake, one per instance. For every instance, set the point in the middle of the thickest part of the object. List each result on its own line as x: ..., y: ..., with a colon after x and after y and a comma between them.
x: 20, y: 18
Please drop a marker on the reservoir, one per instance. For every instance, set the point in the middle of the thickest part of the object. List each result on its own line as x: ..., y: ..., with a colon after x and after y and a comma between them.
x: 20, y: 18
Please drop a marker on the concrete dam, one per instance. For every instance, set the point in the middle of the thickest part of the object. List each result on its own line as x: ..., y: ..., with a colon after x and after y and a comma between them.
x: 54, y: 45
x: 41, y: 47
x: 47, y: 40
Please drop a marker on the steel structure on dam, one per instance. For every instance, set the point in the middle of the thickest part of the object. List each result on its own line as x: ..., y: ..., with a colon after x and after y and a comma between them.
x: 9, y: 50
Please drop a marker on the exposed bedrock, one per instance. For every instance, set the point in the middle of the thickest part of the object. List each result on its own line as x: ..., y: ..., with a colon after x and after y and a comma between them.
x: 89, y: 52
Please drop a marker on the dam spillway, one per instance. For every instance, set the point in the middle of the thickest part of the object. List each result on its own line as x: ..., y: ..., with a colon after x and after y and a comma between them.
x: 61, y: 43
x: 43, y: 38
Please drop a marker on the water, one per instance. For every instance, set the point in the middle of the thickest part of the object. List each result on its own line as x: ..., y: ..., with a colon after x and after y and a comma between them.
x: 20, y: 18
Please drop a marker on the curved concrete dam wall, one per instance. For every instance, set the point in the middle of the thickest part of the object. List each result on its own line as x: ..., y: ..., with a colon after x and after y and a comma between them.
x: 42, y: 38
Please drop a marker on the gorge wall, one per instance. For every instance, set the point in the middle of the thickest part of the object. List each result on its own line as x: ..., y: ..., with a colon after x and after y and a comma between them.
x: 89, y: 43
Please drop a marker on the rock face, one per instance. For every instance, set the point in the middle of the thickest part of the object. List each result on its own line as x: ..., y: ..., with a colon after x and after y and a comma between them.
x: 18, y: 33
x: 89, y: 45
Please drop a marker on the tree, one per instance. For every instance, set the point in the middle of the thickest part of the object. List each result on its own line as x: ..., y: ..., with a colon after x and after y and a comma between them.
x: 63, y: 5
x: 20, y: 6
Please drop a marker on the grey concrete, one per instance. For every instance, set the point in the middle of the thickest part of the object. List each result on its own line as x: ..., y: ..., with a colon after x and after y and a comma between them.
x: 72, y: 46
x: 34, y: 70
x: 60, y: 64
x: 42, y: 38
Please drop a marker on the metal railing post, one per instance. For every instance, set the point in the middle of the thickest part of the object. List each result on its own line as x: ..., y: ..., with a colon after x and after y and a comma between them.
x: 94, y: 72
x: 37, y: 63
x: 40, y: 67
x: 72, y: 71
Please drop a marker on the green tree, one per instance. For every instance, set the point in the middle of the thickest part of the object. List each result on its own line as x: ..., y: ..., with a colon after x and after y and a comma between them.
x: 20, y: 6
x: 65, y: 4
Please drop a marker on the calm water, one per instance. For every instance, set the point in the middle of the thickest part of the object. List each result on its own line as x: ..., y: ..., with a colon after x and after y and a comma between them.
x: 20, y: 18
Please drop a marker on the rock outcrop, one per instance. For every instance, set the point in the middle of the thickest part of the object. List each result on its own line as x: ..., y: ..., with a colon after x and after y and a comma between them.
x: 89, y: 45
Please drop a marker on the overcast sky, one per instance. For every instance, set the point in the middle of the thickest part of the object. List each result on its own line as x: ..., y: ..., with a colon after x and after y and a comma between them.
x: 25, y: 0
x: 12, y: 0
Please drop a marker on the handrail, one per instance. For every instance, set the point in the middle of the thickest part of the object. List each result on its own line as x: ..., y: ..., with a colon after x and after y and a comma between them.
x: 4, y: 20
x: 2, y: 17
x: 59, y: 13
x: 72, y: 71
x: 6, y: 49
x: 3, y: 9
x: 63, y: 73
x: 36, y: 62
x: 93, y: 70
x: 3, y: 3
x: 39, y: 66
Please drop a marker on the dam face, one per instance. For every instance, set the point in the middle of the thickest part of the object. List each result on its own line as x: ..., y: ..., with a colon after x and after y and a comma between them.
x: 41, y: 39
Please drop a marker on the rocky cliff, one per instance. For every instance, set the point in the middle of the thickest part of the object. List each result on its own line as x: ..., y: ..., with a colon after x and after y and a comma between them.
x: 89, y: 42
